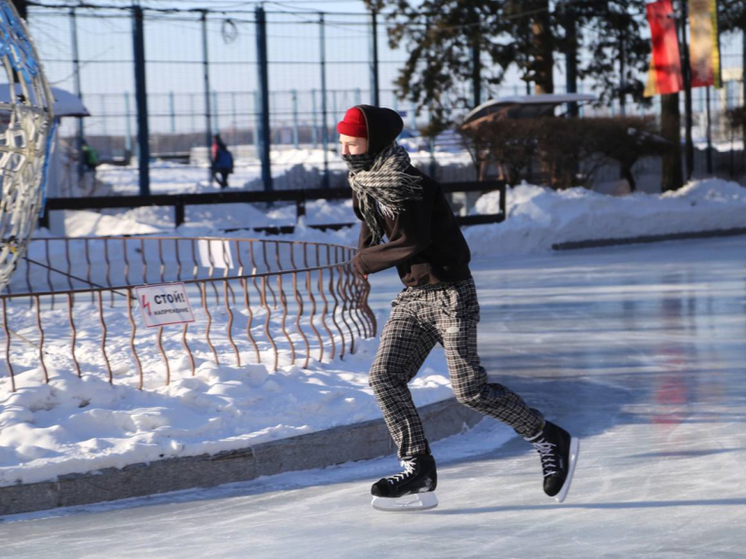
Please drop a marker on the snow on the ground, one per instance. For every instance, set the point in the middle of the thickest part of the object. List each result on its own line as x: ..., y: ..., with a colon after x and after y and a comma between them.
x: 539, y: 217
x: 168, y: 177
x: 80, y: 424
x: 74, y: 425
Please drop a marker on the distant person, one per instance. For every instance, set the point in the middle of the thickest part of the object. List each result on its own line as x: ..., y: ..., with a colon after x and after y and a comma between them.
x: 408, y: 224
x: 89, y: 156
x: 222, y: 161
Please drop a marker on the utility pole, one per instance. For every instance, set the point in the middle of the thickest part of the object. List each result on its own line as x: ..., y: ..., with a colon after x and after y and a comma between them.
x: 206, y: 83
x: 78, y: 91
x: 141, y: 99
x: 374, y: 87
x: 263, y: 97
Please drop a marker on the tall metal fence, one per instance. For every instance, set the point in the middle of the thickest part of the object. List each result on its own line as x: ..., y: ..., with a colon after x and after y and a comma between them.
x: 72, y: 306
x: 187, y: 75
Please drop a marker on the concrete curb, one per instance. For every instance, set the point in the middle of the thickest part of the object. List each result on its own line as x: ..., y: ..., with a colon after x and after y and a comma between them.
x: 361, y: 441
x: 650, y: 239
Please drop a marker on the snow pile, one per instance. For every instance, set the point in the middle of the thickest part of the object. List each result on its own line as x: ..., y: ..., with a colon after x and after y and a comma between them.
x: 81, y: 424
x: 167, y: 177
x: 88, y: 223
x: 539, y: 217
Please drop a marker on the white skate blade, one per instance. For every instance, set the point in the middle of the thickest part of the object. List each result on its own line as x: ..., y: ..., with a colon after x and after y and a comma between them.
x: 574, y: 451
x: 408, y: 503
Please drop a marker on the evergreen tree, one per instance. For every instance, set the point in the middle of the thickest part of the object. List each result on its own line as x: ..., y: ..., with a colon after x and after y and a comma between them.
x: 447, y: 41
x: 619, y: 53
x: 457, y: 47
x: 731, y: 15
x: 732, y: 18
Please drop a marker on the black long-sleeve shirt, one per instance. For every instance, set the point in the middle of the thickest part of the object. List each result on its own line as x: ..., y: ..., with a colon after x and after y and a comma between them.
x: 423, y: 241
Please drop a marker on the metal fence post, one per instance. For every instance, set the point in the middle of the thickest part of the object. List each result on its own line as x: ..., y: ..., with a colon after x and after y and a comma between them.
x: 374, y: 91
x: 294, y: 96
x: 102, y: 102
x: 141, y: 99
x: 278, y: 127
x: 263, y: 79
x: 127, y: 124
x: 206, y: 75
x: 235, y: 121
x: 257, y: 124
x: 172, y: 110
x: 324, y: 130
x: 78, y: 92
x: 334, y: 104
x: 216, y: 126
x: 314, y: 131
x: 192, y: 112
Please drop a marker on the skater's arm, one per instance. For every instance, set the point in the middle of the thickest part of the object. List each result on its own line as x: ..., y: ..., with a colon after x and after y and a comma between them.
x: 366, y: 237
x: 410, y: 235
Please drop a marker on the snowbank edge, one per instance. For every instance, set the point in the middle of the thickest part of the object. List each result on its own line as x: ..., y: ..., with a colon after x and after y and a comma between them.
x: 360, y: 441
x: 593, y: 243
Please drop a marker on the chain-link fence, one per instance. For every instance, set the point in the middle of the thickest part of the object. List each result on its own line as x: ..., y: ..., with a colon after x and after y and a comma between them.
x: 202, y: 77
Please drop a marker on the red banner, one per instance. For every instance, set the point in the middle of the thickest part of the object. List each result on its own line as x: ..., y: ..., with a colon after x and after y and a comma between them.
x: 664, y: 76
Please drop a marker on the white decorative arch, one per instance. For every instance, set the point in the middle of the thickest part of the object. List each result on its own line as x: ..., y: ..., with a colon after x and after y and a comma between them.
x: 26, y: 130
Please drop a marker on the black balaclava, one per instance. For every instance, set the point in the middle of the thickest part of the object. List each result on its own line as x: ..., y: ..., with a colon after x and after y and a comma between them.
x: 383, y: 125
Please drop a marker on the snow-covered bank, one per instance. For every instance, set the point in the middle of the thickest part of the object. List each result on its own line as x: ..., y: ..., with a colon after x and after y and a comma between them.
x: 539, y: 217
x: 77, y: 425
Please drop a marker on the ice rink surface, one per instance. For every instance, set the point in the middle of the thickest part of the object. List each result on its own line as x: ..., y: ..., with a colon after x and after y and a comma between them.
x: 638, y: 350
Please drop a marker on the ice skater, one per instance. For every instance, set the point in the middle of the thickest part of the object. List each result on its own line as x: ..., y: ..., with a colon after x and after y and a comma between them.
x: 408, y: 223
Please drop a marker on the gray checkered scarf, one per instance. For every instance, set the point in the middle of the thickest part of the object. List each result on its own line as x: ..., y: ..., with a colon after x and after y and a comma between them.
x: 385, y: 186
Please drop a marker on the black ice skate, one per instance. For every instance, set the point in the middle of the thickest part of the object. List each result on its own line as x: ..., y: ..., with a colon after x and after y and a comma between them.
x: 559, y: 453
x: 412, y: 489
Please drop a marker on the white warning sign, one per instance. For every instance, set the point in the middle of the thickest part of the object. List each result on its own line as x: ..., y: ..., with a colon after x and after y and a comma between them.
x: 164, y: 303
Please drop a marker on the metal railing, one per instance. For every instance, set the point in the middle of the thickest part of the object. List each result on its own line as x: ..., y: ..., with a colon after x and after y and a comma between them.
x: 179, y: 202
x: 71, y: 305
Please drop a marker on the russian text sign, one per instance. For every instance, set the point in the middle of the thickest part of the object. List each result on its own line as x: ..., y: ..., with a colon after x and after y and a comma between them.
x: 164, y: 303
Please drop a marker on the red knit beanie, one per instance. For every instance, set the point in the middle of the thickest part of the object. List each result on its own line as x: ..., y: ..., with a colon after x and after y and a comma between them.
x: 353, y: 124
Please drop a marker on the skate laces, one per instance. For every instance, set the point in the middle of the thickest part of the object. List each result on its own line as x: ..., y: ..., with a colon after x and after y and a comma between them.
x: 547, y: 455
x: 408, y: 466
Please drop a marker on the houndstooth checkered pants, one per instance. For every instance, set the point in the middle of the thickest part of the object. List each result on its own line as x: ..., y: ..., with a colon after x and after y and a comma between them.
x: 445, y: 313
